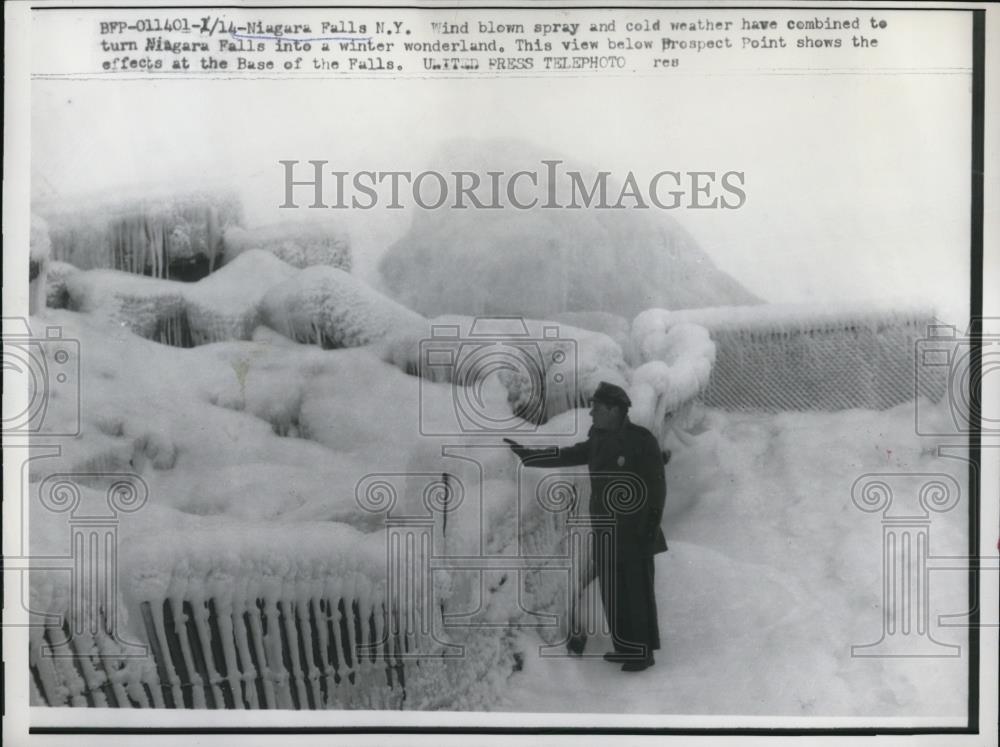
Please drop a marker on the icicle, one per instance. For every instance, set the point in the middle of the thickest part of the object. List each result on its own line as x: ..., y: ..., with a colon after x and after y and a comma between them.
x: 66, y: 672
x: 347, y: 615
x: 180, y: 628
x: 200, y: 613
x: 82, y: 646
x: 261, y: 650
x: 55, y: 693
x: 273, y: 641
x: 245, y: 693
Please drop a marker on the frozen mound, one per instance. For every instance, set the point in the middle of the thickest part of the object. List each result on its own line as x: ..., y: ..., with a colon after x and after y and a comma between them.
x: 149, y: 307
x: 226, y: 304
x: 328, y: 307
x: 547, y: 368
x: 166, y: 236
x: 300, y: 244
x: 222, y: 306
x: 540, y: 262
x: 809, y: 356
x: 39, y: 251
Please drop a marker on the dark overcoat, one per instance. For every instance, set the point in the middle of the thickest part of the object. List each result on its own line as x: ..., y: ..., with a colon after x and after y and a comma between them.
x: 628, y: 492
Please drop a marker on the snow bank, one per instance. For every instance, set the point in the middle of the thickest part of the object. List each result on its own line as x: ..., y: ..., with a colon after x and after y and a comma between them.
x: 806, y: 356
x: 774, y: 573
x: 328, y: 307
x: 300, y: 244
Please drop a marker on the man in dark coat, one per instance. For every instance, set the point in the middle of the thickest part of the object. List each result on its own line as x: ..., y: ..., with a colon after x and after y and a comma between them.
x: 628, y: 491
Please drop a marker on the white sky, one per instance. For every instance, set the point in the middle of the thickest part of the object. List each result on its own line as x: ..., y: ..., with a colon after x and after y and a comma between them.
x: 858, y: 185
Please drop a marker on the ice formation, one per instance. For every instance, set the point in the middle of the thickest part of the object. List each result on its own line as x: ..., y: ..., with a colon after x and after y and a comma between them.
x: 226, y: 304
x: 328, y: 307
x: 149, y: 307
x: 174, y: 235
x: 539, y: 262
x: 56, y: 292
x: 300, y: 244
x: 678, y: 365
x: 807, y: 356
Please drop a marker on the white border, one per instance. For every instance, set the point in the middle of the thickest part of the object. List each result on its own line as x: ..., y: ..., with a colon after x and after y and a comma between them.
x: 17, y: 174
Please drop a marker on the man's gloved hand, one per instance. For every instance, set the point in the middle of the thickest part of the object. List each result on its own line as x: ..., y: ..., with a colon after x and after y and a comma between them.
x: 666, y: 456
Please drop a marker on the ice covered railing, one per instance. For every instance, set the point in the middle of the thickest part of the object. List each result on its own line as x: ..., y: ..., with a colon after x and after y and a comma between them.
x: 264, y: 617
x: 547, y: 368
x: 675, y: 361
x: 162, y: 234
x: 812, y: 356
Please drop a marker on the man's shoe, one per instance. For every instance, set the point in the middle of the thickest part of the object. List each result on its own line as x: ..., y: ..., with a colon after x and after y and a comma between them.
x: 638, y: 666
x: 616, y: 657
x: 576, y: 644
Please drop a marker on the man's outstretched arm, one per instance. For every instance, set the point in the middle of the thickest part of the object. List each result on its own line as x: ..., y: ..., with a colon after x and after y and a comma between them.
x: 554, y: 456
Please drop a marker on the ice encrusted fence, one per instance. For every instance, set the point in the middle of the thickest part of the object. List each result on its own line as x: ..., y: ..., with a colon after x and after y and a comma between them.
x: 294, y: 617
x: 795, y: 357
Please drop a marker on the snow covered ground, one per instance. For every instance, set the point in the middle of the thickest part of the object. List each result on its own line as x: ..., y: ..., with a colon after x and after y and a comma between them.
x: 773, y: 572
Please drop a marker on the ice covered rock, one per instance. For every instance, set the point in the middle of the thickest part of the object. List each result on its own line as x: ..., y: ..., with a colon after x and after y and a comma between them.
x: 151, y: 308
x: 226, y: 304
x: 328, y: 307
x: 222, y: 306
x: 539, y: 262
x: 299, y: 243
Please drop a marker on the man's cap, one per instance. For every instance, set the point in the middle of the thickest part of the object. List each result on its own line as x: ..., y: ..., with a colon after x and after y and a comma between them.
x: 610, y: 394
